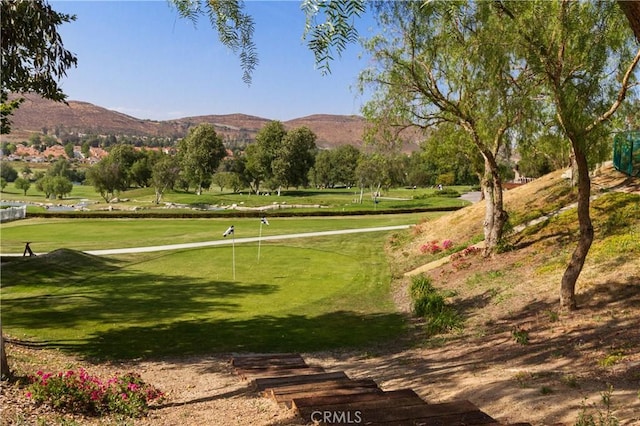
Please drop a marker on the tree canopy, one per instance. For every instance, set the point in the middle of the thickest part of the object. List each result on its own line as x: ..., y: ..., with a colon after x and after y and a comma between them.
x: 33, y: 55
x: 200, y: 154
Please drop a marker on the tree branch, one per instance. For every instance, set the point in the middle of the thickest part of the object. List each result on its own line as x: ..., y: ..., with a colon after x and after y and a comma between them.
x: 621, y: 94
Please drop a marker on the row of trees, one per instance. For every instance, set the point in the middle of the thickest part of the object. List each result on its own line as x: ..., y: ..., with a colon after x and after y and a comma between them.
x: 56, y: 182
x: 496, y: 72
x: 278, y: 159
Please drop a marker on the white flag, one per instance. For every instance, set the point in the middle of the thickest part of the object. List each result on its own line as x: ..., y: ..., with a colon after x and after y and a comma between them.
x: 228, y: 231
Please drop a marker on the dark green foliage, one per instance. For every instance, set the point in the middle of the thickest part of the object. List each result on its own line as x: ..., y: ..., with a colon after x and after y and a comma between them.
x: 446, y: 192
x: 432, y: 306
x: 33, y: 56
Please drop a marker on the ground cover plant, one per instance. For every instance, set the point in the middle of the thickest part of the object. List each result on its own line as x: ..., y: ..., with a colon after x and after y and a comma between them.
x: 79, y: 392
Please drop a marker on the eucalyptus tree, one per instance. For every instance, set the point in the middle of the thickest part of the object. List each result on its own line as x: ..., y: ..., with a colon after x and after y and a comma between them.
x: 164, y: 175
x: 200, y: 154
x: 374, y: 172
x: 261, y: 155
x: 107, y: 178
x: 294, y: 158
x: 322, y: 173
x: 336, y: 166
x: 587, y: 59
x: 450, y: 63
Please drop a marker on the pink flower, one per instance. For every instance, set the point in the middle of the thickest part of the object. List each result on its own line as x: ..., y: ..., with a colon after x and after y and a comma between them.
x: 29, y: 394
x: 123, y: 395
x: 132, y: 387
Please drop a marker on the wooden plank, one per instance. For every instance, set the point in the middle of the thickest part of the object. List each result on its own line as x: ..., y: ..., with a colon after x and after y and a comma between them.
x: 365, y: 407
x: 287, y: 399
x: 258, y: 373
x: 428, y: 414
x: 341, y: 383
x: 265, y: 360
x: 272, y: 382
x: 431, y: 421
x: 320, y: 400
x: 463, y: 419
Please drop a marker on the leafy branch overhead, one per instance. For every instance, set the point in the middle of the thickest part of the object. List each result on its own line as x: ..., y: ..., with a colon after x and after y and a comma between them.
x: 235, y: 28
x: 33, y: 55
x: 337, y: 30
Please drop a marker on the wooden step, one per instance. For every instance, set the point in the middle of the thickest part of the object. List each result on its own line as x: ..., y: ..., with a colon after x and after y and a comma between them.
x: 274, y: 382
x: 287, y: 399
x: 327, y: 400
x: 267, y: 360
x: 364, y: 407
x: 259, y: 373
x: 333, y: 384
x: 455, y: 413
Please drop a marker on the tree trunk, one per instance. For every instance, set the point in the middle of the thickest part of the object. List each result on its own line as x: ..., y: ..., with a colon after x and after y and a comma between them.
x: 571, y: 274
x: 631, y: 9
x: 4, y: 367
x: 495, y: 216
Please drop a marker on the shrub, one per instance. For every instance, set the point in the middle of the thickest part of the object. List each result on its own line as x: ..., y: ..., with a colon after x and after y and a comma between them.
x: 447, y: 193
x: 431, y: 305
x: 79, y: 392
x: 431, y: 247
x: 420, y: 286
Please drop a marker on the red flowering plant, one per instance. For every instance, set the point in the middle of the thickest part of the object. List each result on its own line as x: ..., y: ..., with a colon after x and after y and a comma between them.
x: 431, y: 247
x: 434, y: 247
x: 79, y: 392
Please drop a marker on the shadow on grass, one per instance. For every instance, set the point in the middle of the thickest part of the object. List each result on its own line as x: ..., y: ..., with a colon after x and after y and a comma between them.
x: 93, y: 307
x: 98, y: 291
x: 266, y: 333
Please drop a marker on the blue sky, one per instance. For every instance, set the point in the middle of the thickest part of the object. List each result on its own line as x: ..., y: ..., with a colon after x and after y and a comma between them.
x: 140, y: 58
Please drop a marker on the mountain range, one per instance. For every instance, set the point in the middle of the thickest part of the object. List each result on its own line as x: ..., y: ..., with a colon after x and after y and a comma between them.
x: 38, y: 115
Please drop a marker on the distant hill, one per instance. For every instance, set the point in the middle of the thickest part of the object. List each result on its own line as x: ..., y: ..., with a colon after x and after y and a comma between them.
x: 41, y: 115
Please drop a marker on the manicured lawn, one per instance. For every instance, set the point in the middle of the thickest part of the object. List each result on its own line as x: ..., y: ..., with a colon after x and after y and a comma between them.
x: 94, y: 234
x: 303, y: 295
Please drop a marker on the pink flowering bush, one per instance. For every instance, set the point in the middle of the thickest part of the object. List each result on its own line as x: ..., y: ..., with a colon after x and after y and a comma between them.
x: 433, y: 247
x: 79, y: 392
x: 430, y: 247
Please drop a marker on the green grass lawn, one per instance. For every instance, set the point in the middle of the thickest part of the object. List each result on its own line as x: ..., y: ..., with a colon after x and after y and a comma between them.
x: 94, y: 234
x: 303, y: 295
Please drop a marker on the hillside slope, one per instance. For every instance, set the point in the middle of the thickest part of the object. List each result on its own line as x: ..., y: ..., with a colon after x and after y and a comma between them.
x: 518, y: 356
x: 37, y: 115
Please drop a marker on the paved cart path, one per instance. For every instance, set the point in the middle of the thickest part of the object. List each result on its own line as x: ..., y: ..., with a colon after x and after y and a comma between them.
x: 232, y: 240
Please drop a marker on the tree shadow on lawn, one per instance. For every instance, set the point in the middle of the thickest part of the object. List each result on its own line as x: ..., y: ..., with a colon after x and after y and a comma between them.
x: 265, y: 333
x: 98, y: 294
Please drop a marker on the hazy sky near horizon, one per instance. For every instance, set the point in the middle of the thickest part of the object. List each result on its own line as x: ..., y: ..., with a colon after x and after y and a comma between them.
x: 140, y: 58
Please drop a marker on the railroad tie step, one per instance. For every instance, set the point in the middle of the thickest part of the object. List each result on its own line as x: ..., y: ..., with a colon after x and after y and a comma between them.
x: 286, y: 394
x: 268, y: 360
x: 453, y: 413
x: 262, y: 373
x: 262, y: 384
